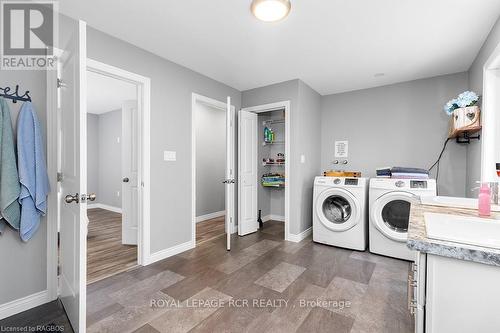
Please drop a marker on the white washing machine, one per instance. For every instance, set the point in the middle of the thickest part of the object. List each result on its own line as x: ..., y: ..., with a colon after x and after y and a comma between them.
x: 390, y: 211
x: 340, y: 209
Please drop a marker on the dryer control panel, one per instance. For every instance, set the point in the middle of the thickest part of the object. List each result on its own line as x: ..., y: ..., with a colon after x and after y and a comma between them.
x: 418, y: 184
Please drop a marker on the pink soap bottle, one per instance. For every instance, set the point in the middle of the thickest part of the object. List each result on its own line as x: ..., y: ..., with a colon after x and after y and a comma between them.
x: 484, y: 200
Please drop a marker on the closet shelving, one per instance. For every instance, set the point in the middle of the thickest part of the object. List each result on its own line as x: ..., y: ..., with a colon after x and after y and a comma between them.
x: 275, y: 186
x: 273, y: 121
x: 273, y: 164
x: 273, y: 157
x: 266, y: 143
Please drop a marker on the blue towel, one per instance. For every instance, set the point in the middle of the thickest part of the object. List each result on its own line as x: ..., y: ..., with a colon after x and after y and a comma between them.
x: 32, y: 171
x: 10, y: 212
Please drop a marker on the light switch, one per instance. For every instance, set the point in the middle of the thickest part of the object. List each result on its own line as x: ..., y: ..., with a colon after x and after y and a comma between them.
x: 170, y: 156
x: 302, y: 159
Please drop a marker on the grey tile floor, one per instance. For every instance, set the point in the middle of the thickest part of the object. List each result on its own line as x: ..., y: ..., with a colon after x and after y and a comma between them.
x: 263, y: 285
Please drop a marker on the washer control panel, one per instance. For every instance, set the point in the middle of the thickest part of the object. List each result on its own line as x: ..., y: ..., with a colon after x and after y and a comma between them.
x: 351, y: 181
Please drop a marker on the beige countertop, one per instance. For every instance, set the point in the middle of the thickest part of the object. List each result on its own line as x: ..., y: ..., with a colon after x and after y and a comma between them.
x: 417, y: 236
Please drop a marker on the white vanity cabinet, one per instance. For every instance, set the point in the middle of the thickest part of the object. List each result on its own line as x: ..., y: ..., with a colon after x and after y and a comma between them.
x: 449, y: 295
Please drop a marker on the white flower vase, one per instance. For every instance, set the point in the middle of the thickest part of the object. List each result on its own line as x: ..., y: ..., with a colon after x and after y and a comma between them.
x: 465, y: 120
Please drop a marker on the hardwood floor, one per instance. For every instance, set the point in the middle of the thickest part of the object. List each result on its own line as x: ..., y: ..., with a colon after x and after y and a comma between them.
x: 264, y: 284
x: 210, y: 229
x: 106, y: 255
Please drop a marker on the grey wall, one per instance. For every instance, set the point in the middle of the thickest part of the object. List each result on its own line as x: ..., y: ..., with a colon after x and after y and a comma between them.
x: 171, y: 89
x: 210, y: 159
x: 24, y: 270
x: 476, y: 84
x: 308, y: 143
x: 104, y: 157
x: 110, y: 158
x: 304, y: 140
x: 93, y: 154
x: 397, y: 125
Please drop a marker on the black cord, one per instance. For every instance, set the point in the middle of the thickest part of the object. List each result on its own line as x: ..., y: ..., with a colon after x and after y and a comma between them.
x: 439, y: 160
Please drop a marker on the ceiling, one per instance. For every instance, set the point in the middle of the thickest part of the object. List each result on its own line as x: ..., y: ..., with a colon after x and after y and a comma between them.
x: 333, y: 45
x: 106, y: 94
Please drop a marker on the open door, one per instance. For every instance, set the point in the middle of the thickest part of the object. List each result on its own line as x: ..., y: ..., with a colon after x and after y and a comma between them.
x: 230, y: 180
x: 247, y: 166
x: 73, y: 154
x: 130, y: 173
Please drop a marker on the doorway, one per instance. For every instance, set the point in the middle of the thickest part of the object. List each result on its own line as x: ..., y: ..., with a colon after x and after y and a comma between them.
x: 263, y: 169
x: 212, y: 169
x: 112, y: 164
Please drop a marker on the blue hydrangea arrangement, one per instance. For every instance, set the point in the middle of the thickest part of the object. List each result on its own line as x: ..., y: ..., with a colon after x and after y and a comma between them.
x: 465, y: 99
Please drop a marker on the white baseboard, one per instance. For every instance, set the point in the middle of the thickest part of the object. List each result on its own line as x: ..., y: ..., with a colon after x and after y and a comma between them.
x: 106, y: 207
x: 172, y: 251
x: 272, y: 217
x: 298, y: 237
x: 22, y: 304
x: 210, y: 216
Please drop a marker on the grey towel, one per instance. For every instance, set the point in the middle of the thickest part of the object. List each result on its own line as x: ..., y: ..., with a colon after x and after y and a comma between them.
x: 10, y: 188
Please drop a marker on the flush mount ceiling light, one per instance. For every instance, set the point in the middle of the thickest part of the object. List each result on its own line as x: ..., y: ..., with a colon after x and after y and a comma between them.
x: 271, y: 10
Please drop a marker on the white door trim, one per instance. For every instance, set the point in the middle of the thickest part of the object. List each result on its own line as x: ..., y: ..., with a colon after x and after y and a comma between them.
x: 274, y: 107
x: 196, y: 98
x: 144, y: 84
x: 490, y: 120
x: 144, y: 109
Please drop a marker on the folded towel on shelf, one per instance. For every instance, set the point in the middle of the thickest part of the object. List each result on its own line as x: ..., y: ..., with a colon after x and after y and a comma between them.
x: 10, y: 211
x: 32, y: 171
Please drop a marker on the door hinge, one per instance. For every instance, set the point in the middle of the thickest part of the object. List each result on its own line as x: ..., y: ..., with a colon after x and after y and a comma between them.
x: 59, y: 177
x: 60, y: 83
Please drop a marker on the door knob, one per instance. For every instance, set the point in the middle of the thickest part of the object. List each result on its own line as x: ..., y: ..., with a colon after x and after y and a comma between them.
x: 72, y: 198
x: 91, y: 197
x: 125, y: 180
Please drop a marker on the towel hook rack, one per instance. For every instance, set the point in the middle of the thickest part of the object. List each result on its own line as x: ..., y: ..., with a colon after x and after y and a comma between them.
x: 7, y: 92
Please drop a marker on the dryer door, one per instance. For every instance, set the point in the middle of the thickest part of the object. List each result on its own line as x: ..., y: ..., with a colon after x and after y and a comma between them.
x: 337, y: 209
x: 391, y: 214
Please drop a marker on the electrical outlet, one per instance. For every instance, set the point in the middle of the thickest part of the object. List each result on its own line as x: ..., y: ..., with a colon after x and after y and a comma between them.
x: 118, y: 193
x: 118, y: 139
x: 169, y: 155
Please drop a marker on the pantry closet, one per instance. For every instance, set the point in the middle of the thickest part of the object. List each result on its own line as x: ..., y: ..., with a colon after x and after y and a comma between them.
x: 271, y: 165
x: 263, y: 169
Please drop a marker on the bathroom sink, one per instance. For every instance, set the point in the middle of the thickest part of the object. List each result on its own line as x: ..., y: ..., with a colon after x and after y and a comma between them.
x: 457, y: 202
x: 463, y: 229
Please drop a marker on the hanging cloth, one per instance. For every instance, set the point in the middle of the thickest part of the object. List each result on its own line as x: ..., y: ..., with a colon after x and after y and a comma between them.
x: 32, y: 171
x: 10, y: 211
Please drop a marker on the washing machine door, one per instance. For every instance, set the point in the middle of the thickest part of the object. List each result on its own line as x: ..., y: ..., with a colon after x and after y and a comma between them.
x: 391, y: 214
x: 337, y: 209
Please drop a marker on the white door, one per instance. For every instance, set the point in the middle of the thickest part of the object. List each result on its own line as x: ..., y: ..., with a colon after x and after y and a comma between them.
x: 230, y: 181
x: 247, y: 166
x: 73, y: 154
x: 130, y: 173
